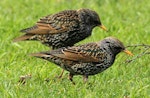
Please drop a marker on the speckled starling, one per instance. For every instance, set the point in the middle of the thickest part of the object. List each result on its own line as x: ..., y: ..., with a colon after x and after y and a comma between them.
x: 63, y: 29
x: 87, y: 59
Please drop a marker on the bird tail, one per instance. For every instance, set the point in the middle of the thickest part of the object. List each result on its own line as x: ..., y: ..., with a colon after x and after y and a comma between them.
x: 49, y: 57
x: 41, y: 55
x: 23, y: 37
x: 28, y: 30
x: 28, y: 34
x: 36, y: 30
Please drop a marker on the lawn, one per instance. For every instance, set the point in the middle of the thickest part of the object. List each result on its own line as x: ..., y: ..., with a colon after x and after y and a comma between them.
x: 127, y: 20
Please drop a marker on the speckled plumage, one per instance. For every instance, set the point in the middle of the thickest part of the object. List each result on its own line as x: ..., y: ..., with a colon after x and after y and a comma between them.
x: 63, y: 29
x: 88, y: 59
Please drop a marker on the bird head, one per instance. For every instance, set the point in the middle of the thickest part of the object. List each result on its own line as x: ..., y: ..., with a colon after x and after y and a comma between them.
x: 115, y: 45
x: 92, y: 18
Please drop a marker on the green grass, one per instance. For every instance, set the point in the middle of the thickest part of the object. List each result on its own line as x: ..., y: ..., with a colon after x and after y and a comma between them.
x: 126, y: 20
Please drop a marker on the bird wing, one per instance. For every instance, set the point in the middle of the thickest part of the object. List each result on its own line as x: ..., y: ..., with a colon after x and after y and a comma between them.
x: 61, y: 22
x: 86, y: 53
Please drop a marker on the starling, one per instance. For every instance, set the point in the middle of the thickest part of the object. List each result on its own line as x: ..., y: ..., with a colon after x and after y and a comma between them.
x: 88, y: 59
x: 63, y: 29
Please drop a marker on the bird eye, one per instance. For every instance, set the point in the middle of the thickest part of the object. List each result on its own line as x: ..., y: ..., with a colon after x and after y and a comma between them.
x: 107, y: 42
x: 97, y: 21
x: 118, y: 48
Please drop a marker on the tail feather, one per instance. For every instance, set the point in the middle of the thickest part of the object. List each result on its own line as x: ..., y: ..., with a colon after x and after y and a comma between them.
x: 41, y: 55
x: 36, y: 30
x: 22, y: 38
x: 28, y: 30
x: 47, y: 56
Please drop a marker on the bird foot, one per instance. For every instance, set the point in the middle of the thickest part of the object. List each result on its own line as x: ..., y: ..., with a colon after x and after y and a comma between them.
x: 71, y: 78
x: 60, y: 76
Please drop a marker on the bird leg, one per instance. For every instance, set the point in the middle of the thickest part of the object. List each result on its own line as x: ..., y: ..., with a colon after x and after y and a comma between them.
x: 85, y: 78
x: 70, y: 78
x: 60, y: 76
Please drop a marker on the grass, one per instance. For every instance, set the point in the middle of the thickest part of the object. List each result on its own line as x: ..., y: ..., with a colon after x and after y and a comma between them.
x: 126, y: 20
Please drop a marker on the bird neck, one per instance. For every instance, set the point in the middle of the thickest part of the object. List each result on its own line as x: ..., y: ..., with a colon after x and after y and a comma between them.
x: 110, y: 53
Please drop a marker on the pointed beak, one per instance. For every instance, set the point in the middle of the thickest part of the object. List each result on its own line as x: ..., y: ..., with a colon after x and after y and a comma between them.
x: 128, y: 52
x: 103, y: 27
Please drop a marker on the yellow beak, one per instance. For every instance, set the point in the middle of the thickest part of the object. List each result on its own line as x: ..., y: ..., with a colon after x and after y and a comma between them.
x: 103, y: 27
x: 128, y: 52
